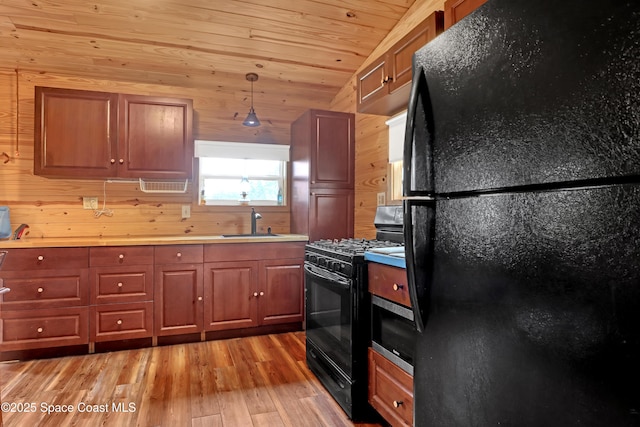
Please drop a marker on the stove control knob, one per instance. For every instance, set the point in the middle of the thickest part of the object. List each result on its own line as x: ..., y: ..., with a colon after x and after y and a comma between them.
x: 322, y: 262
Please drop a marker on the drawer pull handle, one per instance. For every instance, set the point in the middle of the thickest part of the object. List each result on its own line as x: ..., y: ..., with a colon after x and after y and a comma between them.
x: 121, y: 256
x: 40, y: 290
x: 40, y: 258
x: 40, y: 330
x: 119, y: 322
x: 397, y: 403
x: 397, y: 287
x: 120, y: 284
x: 179, y: 254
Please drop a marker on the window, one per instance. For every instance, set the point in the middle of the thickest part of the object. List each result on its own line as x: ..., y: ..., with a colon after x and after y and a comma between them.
x: 237, y: 173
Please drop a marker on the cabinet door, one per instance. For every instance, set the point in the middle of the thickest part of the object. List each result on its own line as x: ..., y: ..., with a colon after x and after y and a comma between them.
x: 332, y: 149
x: 155, y: 137
x: 400, y: 57
x: 455, y: 10
x: 390, y: 390
x: 372, y: 84
x: 75, y: 133
x: 330, y: 214
x: 178, y: 299
x: 231, y: 295
x: 280, y: 292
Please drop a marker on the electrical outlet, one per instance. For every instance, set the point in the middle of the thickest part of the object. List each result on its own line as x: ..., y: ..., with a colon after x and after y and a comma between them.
x: 382, y: 199
x: 90, y: 203
x: 186, y: 211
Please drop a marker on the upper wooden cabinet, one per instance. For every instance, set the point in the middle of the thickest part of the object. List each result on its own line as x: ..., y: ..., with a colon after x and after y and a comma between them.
x: 455, y: 10
x: 384, y: 86
x: 85, y: 134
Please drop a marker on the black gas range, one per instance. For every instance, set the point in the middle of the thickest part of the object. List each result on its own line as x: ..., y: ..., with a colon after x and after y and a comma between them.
x: 338, y: 314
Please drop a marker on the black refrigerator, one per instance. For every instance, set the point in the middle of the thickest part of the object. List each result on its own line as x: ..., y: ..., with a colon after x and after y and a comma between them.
x: 522, y: 216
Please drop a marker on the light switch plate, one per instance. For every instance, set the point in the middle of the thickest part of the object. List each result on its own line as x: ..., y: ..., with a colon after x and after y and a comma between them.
x: 382, y: 199
x: 186, y: 211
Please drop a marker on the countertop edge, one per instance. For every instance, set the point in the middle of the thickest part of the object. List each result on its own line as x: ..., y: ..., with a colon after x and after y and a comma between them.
x: 63, y: 242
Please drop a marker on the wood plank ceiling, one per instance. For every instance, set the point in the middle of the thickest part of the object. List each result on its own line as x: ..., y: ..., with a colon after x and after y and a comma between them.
x: 304, y: 51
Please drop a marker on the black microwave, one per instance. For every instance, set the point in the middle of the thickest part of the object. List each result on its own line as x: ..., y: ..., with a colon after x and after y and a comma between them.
x: 393, y: 332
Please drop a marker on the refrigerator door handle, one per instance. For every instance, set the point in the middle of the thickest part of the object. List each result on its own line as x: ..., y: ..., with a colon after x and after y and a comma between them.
x: 409, y: 131
x: 418, y: 262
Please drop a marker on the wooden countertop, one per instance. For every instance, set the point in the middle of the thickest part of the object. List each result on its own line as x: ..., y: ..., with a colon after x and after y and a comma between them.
x: 64, y: 242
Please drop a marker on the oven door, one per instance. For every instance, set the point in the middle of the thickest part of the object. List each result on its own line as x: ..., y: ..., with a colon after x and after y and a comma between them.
x: 329, y: 314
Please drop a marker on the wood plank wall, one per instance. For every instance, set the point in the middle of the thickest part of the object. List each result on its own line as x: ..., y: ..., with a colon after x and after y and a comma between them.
x: 372, y: 142
x: 53, y: 207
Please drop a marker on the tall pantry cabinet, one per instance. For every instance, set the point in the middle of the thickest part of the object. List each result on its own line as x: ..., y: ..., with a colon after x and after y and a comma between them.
x: 323, y: 170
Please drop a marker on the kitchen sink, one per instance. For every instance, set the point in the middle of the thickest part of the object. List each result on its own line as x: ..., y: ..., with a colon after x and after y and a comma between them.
x: 250, y: 235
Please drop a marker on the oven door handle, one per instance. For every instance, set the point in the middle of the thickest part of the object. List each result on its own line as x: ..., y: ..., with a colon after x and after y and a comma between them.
x: 339, y: 281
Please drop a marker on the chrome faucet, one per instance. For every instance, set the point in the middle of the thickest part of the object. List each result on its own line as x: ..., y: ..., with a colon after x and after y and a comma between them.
x: 254, y: 216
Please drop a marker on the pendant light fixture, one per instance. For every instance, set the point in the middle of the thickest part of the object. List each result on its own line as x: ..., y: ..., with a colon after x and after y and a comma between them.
x: 252, y: 119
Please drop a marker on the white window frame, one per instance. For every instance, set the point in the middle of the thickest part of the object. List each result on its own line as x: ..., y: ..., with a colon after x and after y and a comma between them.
x: 235, y: 150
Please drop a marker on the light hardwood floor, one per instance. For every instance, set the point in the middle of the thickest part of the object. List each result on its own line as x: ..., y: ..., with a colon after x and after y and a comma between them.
x: 255, y: 381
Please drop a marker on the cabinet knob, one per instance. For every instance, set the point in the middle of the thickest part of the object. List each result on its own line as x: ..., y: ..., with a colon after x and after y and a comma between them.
x: 179, y: 254
x: 199, y: 298
x: 255, y: 294
x: 261, y: 293
x: 121, y: 161
x: 40, y: 330
x: 119, y: 322
x: 120, y: 284
x: 397, y: 287
x: 113, y: 161
x: 40, y: 290
x: 387, y: 79
x: 40, y: 258
x: 397, y: 403
x: 121, y: 256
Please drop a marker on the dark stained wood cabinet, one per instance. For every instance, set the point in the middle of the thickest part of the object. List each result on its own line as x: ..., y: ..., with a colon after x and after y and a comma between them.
x: 390, y: 390
x: 281, y: 298
x: 121, y: 293
x: 384, y: 85
x: 48, y: 302
x: 178, y: 291
x: 107, y: 294
x: 86, y: 134
x: 329, y: 214
x: 455, y: 10
x: 155, y: 139
x: 75, y: 133
x: 323, y: 171
x: 231, y: 295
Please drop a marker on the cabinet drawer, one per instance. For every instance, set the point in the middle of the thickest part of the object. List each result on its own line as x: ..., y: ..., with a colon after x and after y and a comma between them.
x: 55, y: 327
x: 35, y: 259
x: 390, y: 390
x: 45, y: 289
x: 121, y: 255
x: 121, y: 321
x: 179, y: 254
x: 389, y: 282
x: 121, y: 284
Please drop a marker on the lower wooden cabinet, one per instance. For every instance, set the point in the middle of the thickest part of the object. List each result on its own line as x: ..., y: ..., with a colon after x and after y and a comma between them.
x: 31, y: 329
x: 112, y: 322
x: 390, y: 390
x: 103, y: 294
x: 231, y: 294
x: 178, y: 299
x: 245, y: 294
x: 281, y: 298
